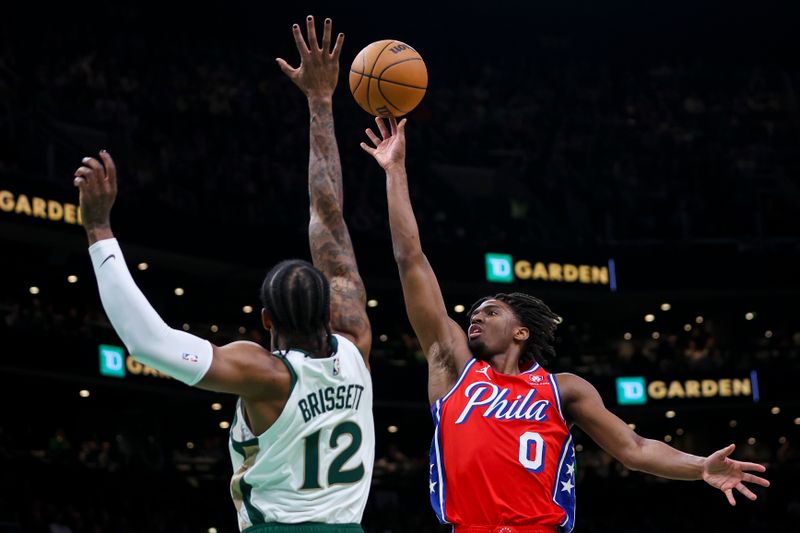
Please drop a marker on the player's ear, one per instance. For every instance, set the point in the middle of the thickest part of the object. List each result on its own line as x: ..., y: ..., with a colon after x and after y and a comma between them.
x: 521, y: 334
x: 265, y: 320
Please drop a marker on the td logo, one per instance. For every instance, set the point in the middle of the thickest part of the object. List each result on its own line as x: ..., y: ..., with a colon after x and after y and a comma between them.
x: 499, y: 268
x: 112, y: 361
x: 631, y: 391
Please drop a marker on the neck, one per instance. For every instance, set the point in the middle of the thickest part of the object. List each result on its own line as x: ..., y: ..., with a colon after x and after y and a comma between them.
x: 317, y: 347
x: 505, y: 363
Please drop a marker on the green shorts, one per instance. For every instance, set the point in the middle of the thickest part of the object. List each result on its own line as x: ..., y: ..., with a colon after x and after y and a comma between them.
x: 304, y: 527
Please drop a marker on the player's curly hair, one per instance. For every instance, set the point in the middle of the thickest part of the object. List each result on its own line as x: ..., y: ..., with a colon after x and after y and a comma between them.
x: 297, y: 299
x: 535, y: 315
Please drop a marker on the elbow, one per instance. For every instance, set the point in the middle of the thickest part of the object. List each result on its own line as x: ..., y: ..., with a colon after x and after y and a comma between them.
x: 408, y: 258
x: 632, y: 457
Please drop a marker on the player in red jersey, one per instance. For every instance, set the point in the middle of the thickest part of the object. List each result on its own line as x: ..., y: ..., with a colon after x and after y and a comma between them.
x: 502, y: 458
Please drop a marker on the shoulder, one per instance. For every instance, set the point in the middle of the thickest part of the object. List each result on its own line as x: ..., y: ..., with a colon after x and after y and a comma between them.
x: 574, y: 388
x: 256, y: 362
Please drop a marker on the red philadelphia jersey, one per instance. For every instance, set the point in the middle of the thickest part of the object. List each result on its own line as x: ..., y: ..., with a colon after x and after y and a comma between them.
x: 502, y: 453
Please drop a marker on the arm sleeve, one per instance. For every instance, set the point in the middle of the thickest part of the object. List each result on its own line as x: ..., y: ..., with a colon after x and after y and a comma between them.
x: 149, y: 339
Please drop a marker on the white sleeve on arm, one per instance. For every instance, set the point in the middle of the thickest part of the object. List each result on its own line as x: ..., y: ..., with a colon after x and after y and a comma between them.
x: 176, y: 353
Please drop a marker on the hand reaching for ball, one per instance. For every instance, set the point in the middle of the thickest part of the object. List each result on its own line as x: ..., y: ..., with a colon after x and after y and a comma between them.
x: 318, y: 72
x: 390, y: 148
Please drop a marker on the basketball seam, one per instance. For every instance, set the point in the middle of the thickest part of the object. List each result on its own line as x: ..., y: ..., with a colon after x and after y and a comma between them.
x: 397, y: 63
x: 380, y: 90
x: 369, y: 80
x: 363, y: 62
x: 389, y: 81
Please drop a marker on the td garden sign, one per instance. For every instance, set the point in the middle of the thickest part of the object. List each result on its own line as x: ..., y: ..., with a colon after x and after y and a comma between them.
x: 502, y: 268
x: 36, y: 207
x: 636, y: 390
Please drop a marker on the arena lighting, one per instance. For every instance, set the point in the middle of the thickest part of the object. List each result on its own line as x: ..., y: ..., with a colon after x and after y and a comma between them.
x: 627, y: 336
x: 768, y: 334
x: 216, y: 406
x: 687, y: 327
x: 212, y: 530
x: 670, y: 414
x: 72, y: 278
x: 632, y: 426
x: 459, y: 308
x: 185, y: 326
x: 782, y: 440
x: 142, y: 266
x: 679, y: 431
x: 84, y: 393
x: 190, y: 445
x: 699, y: 319
x: 797, y: 421
x: 384, y: 338
x: 749, y: 316
x: 178, y: 291
x: 668, y: 438
x: 247, y: 309
x: 34, y: 290
x: 656, y: 335
x: 733, y: 423
x: 372, y: 303
x: 665, y: 306
x: 775, y: 410
x: 649, y: 317
x: 224, y: 425
x: 751, y: 441
x: 242, y: 330
x: 579, y: 448
x: 392, y: 429
x: 214, y: 328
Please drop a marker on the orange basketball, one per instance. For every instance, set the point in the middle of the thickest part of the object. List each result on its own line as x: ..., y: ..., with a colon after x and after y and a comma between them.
x: 388, y: 78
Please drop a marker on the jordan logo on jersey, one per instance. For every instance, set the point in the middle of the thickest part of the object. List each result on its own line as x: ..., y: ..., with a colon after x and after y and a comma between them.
x: 484, y: 371
x: 483, y: 393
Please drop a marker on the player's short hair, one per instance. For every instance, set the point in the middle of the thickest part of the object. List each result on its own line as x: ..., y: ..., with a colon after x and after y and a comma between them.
x: 297, y: 299
x: 535, y: 315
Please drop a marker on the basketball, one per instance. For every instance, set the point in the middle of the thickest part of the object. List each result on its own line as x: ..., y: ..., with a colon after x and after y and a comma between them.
x: 388, y: 78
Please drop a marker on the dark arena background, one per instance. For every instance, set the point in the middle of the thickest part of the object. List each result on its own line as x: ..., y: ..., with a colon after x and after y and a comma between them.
x: 634, y: 164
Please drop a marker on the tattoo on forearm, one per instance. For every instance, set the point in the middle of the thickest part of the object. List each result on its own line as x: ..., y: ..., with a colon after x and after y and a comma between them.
x: 331, y: 248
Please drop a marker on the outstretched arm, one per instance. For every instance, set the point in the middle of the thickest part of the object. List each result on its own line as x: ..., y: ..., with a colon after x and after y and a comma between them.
x: 585, y: 407
x: 242, y: 368
x: 441, y: 338
x: 329, y: 239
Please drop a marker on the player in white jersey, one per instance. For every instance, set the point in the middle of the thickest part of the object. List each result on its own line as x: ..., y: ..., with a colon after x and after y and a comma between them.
x: 302, y: 442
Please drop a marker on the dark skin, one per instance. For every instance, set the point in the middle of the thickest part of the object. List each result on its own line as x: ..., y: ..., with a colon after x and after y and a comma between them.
x: 245, y: 368
x: 496, y: 335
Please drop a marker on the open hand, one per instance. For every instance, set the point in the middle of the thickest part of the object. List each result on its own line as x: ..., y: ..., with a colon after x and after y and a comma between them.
x: 318, y: 72
x: 390, y: 149
x: 726, y: 474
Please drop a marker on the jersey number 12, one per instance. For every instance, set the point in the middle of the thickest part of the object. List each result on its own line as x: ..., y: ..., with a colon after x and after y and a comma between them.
x: 335, y: 473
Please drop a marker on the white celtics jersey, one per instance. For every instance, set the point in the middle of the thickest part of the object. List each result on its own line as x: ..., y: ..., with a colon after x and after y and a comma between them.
x: 314, y: 464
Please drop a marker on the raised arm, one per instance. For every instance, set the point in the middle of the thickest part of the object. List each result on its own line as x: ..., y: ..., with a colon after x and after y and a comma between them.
x: 329, y: 239
x: 242, y: 368
x: 442, y: 339
x: 584, y: 406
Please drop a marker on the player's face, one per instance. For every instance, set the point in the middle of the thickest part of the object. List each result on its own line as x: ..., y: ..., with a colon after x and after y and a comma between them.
x: 491, y: 329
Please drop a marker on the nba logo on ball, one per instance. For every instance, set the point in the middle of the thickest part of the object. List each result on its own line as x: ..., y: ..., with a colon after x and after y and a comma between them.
x: 631, y: 391
x: 498, y: 268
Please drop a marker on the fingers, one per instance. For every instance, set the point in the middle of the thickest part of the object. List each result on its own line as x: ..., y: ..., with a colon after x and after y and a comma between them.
x: 729, y: 450
x: 755, y: 467
x: 372, y: 137
x: 402, y: 126
x: 750, y: 478
x: 729, y: 495
x: 746, y: 492
x: 288, y: 70
x: 337, y: 48
x: 299, y: 42
x: 382, y: 128
x: 311, y: 32
x: 371, y: 151
x: 393, y: 124
x: 326, y: 36
x: 111, y: 168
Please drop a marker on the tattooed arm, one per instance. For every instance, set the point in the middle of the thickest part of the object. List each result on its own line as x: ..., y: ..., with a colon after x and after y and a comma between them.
x: 331, y: 248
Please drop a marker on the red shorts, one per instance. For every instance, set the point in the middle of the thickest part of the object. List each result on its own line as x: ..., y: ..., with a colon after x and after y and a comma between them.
x: 502, y: 529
